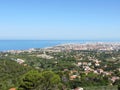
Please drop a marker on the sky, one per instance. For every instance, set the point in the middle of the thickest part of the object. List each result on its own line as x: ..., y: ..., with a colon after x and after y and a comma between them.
x: 60, y: 19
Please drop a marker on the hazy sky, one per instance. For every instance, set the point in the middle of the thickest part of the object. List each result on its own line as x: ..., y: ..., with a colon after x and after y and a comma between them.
x: 60, y: 19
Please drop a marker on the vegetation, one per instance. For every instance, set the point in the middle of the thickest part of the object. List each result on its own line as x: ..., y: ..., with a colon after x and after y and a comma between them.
x: 10, y: 74
x: 34, y: 80
x: 64, y: 71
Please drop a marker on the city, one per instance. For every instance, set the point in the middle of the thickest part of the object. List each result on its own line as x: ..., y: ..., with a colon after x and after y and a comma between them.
x: 78, y: 63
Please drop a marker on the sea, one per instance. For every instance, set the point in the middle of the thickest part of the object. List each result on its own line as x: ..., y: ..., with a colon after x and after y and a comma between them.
x: 6, y: 45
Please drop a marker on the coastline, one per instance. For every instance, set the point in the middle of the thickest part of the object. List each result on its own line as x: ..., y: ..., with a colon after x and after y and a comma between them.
x: 6, y: 45
x: 26, y: 45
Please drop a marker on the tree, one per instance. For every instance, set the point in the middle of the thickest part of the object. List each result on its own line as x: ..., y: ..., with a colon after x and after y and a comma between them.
x: 29, y: 80
x: 119, y: 87
x: 49, y: 80
x: 46, y: 80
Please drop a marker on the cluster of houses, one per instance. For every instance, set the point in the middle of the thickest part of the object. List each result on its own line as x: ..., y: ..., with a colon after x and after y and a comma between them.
x: 88, y: 67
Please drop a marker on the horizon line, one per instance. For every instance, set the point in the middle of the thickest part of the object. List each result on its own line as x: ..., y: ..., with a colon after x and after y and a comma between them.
x: 64, y: 39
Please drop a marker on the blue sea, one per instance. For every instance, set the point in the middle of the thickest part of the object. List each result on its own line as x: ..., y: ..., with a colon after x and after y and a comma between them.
x: 27, y: 44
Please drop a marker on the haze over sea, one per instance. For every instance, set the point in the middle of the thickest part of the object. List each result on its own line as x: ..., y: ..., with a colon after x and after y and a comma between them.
x: 27, y: 44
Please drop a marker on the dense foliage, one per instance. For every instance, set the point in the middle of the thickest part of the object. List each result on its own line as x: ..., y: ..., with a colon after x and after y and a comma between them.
x: 34, y: 80
x: 10, y: 73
